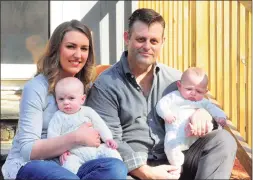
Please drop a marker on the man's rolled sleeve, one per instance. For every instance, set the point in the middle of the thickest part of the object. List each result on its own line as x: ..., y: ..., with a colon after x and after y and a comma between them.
x: 135, y: 160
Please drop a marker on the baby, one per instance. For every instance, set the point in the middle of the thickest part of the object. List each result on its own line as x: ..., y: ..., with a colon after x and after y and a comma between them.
x: 69, y: 94
x: 176, y: 108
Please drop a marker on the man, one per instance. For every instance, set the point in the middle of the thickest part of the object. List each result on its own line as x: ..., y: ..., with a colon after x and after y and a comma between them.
x: 125, y: 97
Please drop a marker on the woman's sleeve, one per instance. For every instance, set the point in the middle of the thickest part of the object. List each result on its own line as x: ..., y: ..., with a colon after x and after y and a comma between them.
x: 31, y: 116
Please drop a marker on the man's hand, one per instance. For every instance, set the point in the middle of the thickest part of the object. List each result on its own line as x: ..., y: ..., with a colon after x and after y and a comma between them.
x: 111, y: 144
x: 157, y: 172
x: 200, y: 123
x: 170, y: 119
x: 221, y: 121
x: 63, y: 157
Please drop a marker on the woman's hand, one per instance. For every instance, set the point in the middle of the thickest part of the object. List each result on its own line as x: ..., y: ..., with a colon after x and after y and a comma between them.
x: 63, y: 157
x: 86, y: 135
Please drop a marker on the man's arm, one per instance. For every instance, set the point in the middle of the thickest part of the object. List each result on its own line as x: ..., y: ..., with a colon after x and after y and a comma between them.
x: 107, y: 106
x: 98, y: 124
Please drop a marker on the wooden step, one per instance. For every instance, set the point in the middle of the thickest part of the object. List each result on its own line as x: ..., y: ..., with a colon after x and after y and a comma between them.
x: 239, y: 171
x: 10, y: 99
x: 10, y: 104
x: 5, y: 148
x: 8, y: 131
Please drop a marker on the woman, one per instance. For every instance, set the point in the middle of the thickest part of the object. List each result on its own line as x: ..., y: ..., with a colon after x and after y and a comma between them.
x: 33, y: 156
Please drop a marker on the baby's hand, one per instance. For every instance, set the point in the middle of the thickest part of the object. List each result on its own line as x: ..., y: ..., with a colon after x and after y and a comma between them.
x: 178, y: 171
x: 221, y: 121
x: 63, y: 157
x: 170, y: 119
x: 111, y: 144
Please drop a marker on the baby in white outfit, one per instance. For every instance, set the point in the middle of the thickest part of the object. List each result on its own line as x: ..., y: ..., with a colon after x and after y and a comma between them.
x: 176, y: 108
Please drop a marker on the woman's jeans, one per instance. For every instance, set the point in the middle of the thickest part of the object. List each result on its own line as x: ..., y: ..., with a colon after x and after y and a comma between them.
x: 103, y: 168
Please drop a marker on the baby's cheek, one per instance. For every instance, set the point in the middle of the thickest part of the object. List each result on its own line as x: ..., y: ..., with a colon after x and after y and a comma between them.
x: 199, y: 98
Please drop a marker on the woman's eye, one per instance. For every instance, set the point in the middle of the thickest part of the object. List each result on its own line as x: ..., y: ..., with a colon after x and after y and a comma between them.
x: 70, y: 47
x: 85, y: 49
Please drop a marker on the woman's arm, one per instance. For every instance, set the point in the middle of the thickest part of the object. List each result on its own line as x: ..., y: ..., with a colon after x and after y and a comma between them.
x: 57, y: 144
x: 52, y: 147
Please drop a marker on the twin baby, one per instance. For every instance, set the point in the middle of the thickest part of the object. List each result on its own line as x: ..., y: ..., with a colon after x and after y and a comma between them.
x: 70, y: 97
x: 175, y: 108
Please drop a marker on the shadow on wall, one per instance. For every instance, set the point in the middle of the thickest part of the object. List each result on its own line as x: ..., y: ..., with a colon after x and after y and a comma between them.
x: 93, y: 18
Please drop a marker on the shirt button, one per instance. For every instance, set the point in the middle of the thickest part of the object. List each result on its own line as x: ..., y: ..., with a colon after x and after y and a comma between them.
x: 132, y: 76
x: 138, y: 88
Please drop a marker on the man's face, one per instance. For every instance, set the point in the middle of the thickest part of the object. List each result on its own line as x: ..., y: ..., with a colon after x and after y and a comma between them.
x: 144, y: 43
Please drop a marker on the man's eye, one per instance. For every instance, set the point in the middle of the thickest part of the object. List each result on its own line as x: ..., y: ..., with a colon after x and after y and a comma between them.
x: 140, y: 39
x: 153, y: 41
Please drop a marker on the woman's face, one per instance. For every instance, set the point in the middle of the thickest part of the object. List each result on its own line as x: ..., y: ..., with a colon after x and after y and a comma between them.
x: 74, y: 51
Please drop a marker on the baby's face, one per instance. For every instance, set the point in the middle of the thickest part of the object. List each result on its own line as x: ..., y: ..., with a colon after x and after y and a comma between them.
x: 192, y: 89
x: 69, y: 101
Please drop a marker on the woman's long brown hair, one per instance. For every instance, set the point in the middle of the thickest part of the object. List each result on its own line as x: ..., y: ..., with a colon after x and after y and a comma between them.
x: 49, y: 63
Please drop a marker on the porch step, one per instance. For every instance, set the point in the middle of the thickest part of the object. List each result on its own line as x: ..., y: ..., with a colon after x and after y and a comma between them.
x: 10, y: 98
x: 8, y: 131
x: 239, y: 172
x: 5, y: 148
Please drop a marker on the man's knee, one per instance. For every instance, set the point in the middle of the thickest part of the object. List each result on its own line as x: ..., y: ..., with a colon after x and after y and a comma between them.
x: 226, y: 140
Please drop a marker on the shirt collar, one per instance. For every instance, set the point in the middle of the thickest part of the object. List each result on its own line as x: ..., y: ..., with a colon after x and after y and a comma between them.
x: 125, y: 65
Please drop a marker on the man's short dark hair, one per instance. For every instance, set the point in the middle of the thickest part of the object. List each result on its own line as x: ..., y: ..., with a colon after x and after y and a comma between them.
x: 148, y: 16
